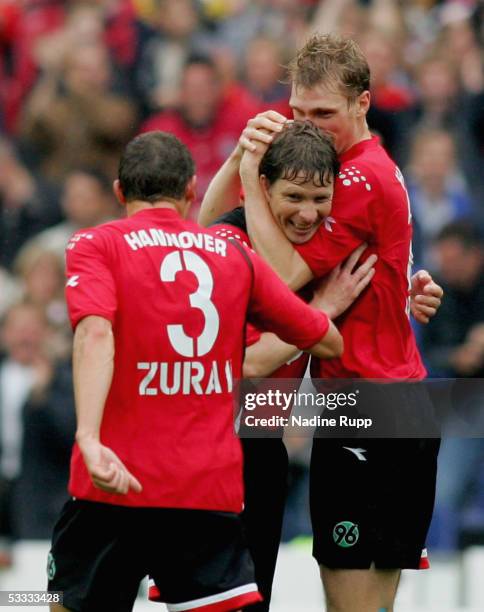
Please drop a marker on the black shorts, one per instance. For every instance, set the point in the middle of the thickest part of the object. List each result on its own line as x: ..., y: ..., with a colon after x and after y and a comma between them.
x: 197, y: 559
x: 265, y: 482
x: 372, y: 501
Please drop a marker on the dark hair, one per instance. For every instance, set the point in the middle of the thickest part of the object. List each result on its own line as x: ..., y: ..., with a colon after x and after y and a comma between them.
x: 300, y: 152
x: 153, y: 166
x: 200, y: 59
x: 465, y: 232
x: 331, y: 58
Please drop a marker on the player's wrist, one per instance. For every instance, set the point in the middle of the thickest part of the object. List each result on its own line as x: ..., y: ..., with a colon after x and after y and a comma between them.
x: 86, y: 436
x: 329, y: 309
x: 236, y: 156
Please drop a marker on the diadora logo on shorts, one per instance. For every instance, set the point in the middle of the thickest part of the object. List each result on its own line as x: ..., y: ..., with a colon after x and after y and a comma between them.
x: 358, y: 452
x: 345, y: 534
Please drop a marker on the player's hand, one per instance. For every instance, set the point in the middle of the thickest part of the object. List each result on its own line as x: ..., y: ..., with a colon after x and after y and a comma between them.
x: 336, y: 292
x: 250, y: 162
x: 106, y: 470
x: 261, y: 128
x: 425, y: 296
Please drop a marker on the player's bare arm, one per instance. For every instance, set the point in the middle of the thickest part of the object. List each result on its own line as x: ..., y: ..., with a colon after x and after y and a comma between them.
x: 275, y: 308
x: 223, y: 192
x: 93, y: 358
x: 330, y: 346
x: 267, y: 355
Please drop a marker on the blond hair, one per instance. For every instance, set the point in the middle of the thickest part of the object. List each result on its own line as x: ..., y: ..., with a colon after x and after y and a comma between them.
x: 331, y: 59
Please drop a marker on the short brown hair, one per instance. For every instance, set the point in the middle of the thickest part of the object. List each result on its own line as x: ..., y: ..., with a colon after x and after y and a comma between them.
x: 300, y: 153
x: 331, y: 58
x: 153, y: 166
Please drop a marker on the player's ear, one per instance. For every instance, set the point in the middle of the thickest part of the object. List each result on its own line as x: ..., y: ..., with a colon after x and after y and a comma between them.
x: 189, y: 196
x: 363, y: 104
x: 265, y: 185
x: 118, y: 192
x: 191, y: 190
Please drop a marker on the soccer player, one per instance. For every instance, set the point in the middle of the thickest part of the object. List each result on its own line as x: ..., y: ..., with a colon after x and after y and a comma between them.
x: 330, y: 87
x: 156, y: 471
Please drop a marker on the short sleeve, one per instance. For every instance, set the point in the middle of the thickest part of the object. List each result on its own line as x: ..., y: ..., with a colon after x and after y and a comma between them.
x: 274, y: 307
x: 90, y: 287
x: 252, y: 335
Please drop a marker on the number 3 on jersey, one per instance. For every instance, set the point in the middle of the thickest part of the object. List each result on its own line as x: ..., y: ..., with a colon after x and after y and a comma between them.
x: 185, y: 345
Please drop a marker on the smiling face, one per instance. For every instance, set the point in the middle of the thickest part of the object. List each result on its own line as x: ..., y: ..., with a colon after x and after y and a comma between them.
x: 299, y: 207
x: 342, y: 118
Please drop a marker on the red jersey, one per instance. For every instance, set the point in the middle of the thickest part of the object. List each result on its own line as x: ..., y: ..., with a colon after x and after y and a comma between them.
x: 178, y: 317
x: 370, y: 204
x: 296, y: 366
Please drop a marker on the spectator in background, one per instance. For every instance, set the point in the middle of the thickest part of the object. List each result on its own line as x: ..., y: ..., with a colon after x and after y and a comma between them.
x: 458, y: 39
x: 77, y: 117
x: 437, y: 189
x: 28, y: 204
x: 49, y: 422
x: 23, y: 369
x: 450, y: 344
x: 207, y: 122
x: 22, y: 25
x: 453, y: 346
x: 177, y: 34
x: 391, y: 95
x: 34, y: 32
x: 87, y: 200
x: 41, y: 275
x: 235, y: 24
x: 265, y: 74
x: 442, y: 103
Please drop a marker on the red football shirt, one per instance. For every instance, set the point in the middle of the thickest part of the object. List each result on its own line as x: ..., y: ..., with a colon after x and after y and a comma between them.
x: 177, y: 298
x: 370, y: 204
x: 295, y: 367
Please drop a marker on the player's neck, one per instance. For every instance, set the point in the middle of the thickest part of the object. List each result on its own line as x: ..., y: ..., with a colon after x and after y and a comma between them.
x: 363, y: 133
x: 137, y: 205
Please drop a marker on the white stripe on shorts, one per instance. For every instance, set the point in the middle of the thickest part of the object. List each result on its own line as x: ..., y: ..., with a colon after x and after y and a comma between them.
x: 211, y: 599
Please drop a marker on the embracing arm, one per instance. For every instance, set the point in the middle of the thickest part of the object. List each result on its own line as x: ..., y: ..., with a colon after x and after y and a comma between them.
x: 267, y: 355
x: 223, y: 192
x: 265, y: 235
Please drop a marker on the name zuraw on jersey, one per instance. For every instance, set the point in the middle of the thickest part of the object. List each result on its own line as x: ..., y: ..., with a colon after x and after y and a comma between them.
x: 177, y: 298
x: 370, y: 204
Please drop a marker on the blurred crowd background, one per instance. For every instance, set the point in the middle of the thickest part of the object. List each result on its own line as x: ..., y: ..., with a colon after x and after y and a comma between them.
x: 79, y: 78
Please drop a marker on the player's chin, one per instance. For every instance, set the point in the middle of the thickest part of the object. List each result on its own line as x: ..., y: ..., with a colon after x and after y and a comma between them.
x: 299, y: 236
